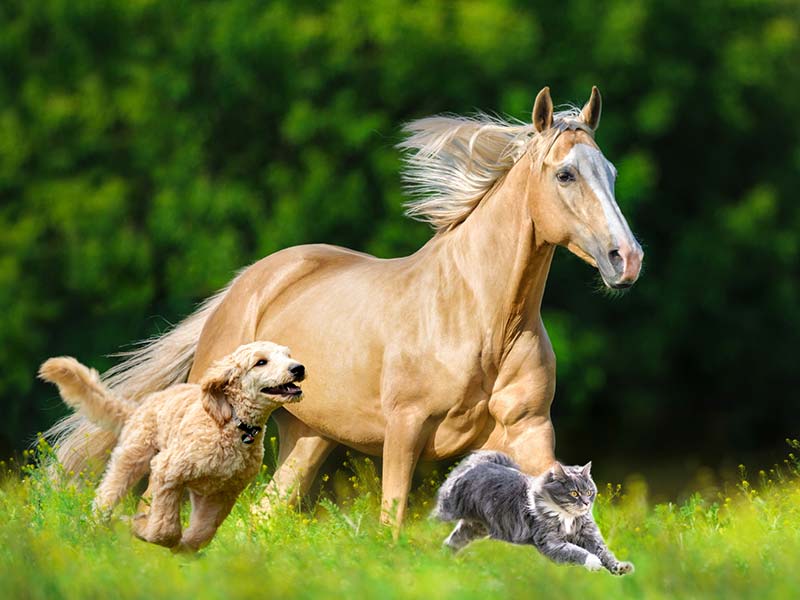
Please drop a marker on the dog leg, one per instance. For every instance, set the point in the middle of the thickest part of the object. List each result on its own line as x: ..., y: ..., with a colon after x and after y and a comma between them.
x: 130, y: 461
x: 208, y: 513
x: 302, y: 451
x: 464, y: 533
x: 405, y: 438
x: 162, y: 525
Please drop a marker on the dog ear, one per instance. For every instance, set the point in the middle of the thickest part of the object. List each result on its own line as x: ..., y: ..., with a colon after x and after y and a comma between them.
x: 214, y: 384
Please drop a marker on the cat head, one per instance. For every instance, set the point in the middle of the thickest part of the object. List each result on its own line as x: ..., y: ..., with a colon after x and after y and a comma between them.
x: 570, y: 489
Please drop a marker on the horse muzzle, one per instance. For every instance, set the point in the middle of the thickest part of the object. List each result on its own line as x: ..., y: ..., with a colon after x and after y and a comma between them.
x: 622, y: 265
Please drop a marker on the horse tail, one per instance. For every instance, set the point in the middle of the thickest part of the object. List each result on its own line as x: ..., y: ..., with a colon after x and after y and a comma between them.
x: 80, y: 388
x: 155, y: 365
x: 444, y: 498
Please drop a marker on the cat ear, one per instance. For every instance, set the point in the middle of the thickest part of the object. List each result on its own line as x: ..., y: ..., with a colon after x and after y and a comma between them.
x: 586, y: 470
x: 558, y: 471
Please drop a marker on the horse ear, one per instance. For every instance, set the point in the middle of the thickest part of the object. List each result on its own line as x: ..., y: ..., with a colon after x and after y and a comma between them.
x: 586, y: 470
x: 542, y: 110
x: 592, y: 109
x: 558, y: 471
x: 213, y: 384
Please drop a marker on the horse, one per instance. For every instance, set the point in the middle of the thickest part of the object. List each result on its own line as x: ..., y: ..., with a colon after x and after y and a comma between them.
x: 428, y: 356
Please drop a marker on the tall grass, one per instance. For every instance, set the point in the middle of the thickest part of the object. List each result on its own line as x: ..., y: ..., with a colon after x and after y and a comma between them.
x: 743, y: 543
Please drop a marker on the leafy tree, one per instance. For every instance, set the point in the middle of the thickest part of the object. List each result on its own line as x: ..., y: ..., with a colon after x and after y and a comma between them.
x: 149, y: 150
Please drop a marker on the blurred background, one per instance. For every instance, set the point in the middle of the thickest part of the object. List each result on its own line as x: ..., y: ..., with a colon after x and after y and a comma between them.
x: 148, y: 150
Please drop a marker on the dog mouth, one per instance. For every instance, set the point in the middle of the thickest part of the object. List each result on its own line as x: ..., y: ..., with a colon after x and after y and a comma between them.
x: 287, y: 390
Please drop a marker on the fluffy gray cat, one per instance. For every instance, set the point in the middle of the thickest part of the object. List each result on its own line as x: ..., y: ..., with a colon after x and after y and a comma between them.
x: 490, y: 497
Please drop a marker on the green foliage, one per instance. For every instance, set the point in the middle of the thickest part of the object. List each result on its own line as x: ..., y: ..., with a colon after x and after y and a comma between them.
x: 740, y: 541
x: 148, y: 150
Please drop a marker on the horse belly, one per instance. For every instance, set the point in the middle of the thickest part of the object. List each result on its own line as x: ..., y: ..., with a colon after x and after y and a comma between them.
x: 328, y: 333
x: 459, y: 431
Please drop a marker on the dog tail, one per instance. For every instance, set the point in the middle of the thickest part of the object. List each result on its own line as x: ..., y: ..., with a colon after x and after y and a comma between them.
x: 81, y: 388
x: 155, y: 365
x: 444, y: 500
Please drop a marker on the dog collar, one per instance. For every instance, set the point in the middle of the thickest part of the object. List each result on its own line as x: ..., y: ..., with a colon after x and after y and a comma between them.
x: 250, y: 431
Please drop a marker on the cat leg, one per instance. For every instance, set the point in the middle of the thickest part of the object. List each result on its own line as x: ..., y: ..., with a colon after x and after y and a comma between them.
x: 464, y: 533
x: 592, y: 540
x: 563, y: 552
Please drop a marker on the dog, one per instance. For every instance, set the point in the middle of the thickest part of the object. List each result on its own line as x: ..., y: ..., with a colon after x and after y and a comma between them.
x: 207, y: 438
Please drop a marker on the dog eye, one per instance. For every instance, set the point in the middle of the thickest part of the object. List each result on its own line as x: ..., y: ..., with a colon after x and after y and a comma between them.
x: 261, y: 362
x: 574, y: 493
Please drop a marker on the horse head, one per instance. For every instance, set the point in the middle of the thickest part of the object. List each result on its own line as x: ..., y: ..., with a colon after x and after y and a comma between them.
x: 571, y: 196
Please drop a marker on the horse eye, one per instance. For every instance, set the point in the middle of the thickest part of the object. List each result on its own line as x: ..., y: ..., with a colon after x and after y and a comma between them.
x: 261, y: 362
x: 565, y: 176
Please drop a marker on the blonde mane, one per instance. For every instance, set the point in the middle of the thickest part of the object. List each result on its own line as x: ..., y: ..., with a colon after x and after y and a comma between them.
x: 452, y: 161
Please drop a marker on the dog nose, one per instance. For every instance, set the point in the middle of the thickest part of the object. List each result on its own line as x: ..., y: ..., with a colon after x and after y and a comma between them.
x: 299, y: 372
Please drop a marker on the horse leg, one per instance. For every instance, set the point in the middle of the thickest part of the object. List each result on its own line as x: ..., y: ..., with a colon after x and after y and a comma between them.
x: 301, y: 453
x: 403, y: 443
x: 530, y: 442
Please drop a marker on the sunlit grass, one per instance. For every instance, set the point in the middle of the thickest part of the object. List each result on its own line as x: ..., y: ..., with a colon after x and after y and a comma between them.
x: 743, y: 542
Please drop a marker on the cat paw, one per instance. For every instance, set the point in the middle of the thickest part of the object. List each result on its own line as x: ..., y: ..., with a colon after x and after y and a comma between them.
x: 622, y: 568
x: 592, y: 563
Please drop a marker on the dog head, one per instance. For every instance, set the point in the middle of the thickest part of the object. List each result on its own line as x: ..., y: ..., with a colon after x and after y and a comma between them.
x: 260, y: 374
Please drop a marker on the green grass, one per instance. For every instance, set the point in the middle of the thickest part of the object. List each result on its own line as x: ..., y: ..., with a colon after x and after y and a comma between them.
x: 743, y: 543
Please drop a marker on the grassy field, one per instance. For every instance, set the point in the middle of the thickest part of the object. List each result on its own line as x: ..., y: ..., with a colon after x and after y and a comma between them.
x: 744, y: 542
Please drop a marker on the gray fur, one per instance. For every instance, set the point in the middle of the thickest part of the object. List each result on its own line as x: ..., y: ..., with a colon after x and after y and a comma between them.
x: 488, y: 495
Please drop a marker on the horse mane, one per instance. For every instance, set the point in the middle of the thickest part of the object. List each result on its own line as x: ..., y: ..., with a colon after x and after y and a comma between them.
x: 451, y: 161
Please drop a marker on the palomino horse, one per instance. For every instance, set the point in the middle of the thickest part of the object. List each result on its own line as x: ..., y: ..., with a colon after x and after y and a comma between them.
x: 435, y: 354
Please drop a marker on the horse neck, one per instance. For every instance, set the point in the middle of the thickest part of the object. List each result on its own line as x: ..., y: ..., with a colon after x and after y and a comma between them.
x: 500, y: 255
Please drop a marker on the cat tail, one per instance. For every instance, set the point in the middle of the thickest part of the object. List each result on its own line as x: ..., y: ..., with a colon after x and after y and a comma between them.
x: 488, y: 456
x: 444, y: 496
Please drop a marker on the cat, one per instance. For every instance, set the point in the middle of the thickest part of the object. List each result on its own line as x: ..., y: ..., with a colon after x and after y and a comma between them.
x: 489, y: 496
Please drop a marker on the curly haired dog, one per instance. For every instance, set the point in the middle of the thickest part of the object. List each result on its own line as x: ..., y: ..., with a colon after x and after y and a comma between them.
x: 206, y: 438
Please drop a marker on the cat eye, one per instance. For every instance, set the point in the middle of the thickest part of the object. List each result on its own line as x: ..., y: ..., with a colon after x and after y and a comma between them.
x: 261, y: 362
x: 574, y: 493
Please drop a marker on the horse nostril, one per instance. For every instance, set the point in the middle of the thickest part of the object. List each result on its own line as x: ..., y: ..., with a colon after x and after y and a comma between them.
x: 616, y: 259
x: 299, y: 371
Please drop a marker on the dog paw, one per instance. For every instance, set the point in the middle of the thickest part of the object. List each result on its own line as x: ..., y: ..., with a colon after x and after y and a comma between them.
x: 622, y: 568
x: 258, y: 512
x: 592, y: 563
x: 101, y: 514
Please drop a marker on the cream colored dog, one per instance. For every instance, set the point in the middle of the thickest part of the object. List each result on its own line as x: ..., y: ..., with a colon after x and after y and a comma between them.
x: 206, y: 438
